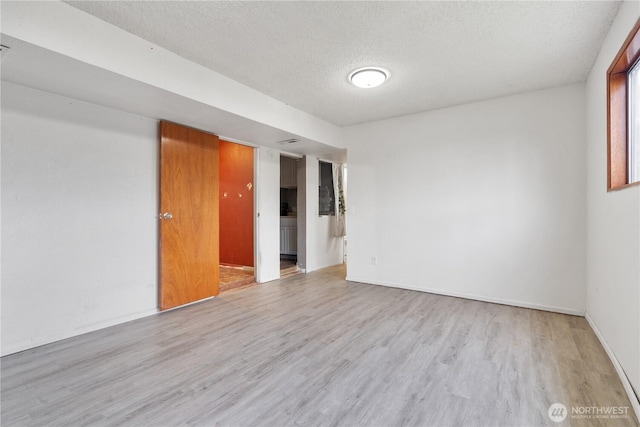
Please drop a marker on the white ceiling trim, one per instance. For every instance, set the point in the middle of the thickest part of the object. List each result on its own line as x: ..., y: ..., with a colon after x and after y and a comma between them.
x: 160, y: 75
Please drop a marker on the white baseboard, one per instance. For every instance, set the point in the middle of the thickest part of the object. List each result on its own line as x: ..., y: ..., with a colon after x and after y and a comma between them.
x: 502, y: 301
x: 39, y: 341
x: 618, y: 367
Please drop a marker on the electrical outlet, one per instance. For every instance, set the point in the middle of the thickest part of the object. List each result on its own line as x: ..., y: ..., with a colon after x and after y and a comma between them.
x: 374, y: 260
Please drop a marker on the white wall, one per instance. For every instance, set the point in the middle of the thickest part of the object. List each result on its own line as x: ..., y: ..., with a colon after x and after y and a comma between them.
x: 79, y: 227
x: 613, y: 221
x: 322, y: 248
x: 485, y: 200
x: 79, y: 223
x: 301, y: 179
x: 268, y: 208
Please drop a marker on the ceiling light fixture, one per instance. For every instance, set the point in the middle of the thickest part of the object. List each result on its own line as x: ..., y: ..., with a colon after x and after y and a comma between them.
x: 368, y: 77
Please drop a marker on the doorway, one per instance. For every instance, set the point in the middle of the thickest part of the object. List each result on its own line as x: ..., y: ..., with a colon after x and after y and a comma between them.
x: 237, y: 266
x: 289, y: 210
x: 207, y: 215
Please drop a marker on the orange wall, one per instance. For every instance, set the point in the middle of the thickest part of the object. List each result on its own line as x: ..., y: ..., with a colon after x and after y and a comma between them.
x: 236, y: 204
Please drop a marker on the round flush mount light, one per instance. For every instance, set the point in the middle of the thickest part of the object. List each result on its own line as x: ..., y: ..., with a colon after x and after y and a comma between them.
x: 368, y: 77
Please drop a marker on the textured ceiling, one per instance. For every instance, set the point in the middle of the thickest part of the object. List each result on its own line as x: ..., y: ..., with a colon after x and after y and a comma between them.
x: 439, y: 54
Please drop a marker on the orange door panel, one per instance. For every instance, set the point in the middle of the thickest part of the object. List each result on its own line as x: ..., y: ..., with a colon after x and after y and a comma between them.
x: 236, y: 204
x: 189, y: 225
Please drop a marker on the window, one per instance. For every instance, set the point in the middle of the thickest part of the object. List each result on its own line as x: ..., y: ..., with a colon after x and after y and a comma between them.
x: 326, y: 200
x: 623, y: 84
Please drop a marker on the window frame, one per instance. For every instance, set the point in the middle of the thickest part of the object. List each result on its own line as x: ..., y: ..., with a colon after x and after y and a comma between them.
x: 634, y: 131
x: 618, y: 112
x: 331, y: 211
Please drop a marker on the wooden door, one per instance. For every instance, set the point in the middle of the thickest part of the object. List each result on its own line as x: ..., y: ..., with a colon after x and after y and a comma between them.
x: 189, y: 228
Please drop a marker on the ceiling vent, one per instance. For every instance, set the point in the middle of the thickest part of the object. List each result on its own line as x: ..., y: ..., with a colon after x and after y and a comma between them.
x: 288, y: 141
x: 4, y: 50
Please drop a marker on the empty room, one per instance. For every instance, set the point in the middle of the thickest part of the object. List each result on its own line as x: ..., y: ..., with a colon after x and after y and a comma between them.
x: 452, y: 188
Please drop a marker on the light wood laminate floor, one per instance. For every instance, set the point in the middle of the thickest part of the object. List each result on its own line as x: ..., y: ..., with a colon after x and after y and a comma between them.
x: 313, y: 349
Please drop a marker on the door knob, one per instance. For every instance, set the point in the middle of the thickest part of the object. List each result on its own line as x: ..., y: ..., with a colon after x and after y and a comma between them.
x: 167, y: 215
